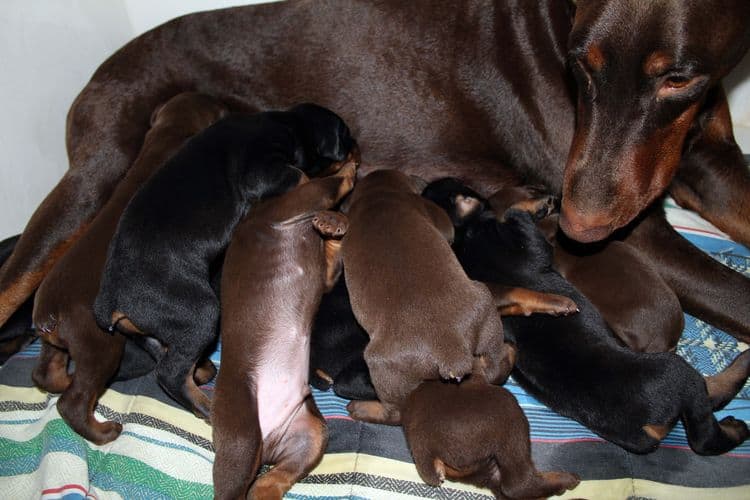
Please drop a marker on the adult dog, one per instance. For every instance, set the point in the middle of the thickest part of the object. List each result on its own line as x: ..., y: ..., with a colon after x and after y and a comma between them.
x: 609, y: 103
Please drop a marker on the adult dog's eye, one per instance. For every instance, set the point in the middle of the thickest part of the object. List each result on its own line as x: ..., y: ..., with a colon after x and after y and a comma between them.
x: 583, y: 76
x: 677, y: 82
x: 680, y: 86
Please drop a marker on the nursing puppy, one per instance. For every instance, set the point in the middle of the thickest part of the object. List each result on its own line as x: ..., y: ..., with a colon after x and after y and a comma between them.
x: 475, y: 432
x: 426, y: 320
x: 574, y: 365
x: 627, y: 290
x: 276, y: 269
x: 157, y: 277
x: 62, y: 309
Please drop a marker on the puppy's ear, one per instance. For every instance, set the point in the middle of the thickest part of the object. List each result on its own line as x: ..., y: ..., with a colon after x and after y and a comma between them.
x: 466, y: 205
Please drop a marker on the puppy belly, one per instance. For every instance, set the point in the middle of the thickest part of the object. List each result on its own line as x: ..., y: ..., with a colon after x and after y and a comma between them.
x: 281, y: 385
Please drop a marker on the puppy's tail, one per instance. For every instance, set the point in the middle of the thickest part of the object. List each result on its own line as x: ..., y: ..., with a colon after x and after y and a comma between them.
x: 724, y: 386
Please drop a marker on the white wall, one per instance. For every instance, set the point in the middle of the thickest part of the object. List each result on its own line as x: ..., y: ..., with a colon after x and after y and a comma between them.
x: 738, y: 87
x: 48, y: 51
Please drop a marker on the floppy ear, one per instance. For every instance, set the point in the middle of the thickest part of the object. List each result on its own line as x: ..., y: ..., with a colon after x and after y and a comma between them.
x: 336, y: 146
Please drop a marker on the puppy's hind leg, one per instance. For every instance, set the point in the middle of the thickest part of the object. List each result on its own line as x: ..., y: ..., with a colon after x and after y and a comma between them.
x: 429, y: 466
x: 51, y: 371
x: 724, y: 386
x: 705, y: 434
x: 189, y: 339
x: 236, y: 435
x: 96, y: 362
x: 296, y: 453
x: 520, y: 479
x: 513, y: 301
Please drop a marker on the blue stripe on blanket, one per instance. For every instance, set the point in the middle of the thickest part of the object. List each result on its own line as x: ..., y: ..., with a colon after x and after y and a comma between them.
x: 707, y: 349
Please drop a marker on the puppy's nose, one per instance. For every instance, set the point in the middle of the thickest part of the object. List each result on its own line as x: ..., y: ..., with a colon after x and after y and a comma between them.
x: 586, y: 228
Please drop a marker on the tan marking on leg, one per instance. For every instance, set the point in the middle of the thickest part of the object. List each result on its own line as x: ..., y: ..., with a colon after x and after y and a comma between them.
x: 333, y: 262
x: 656, y: 431
x: 204, y: 372
x: 323, y: 375
x: 373, y: 411
x: 122, y: 323
x: 514, y: 301
x: 349, y: 173
x: 200, y: 402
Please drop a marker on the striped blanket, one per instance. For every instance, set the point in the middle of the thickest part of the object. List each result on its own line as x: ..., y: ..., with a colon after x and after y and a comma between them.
x: 165, y: 452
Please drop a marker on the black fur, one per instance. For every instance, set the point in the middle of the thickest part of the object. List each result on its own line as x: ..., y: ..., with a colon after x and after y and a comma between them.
x: 157, y: 273
x: 573, y: 364
x: 337, y: 347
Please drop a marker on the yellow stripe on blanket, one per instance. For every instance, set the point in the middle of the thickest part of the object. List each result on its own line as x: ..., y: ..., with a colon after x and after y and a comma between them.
x: 125, y: 403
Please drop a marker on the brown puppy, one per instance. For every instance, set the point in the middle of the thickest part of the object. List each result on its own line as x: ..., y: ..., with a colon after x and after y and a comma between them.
x: 275, y: 272
x: 426, y: 320
x: 626, y: 289
x: 63, y: 306
x: 486, y: 91
x: 475, y: 432
x: 624, y: 286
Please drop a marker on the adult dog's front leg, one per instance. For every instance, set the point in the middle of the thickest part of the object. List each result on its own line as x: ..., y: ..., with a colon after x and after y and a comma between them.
x: 706, y: 288
x: 713, y: 178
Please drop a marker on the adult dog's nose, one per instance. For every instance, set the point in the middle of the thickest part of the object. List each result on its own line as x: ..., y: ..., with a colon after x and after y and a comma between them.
x: 582, y: 227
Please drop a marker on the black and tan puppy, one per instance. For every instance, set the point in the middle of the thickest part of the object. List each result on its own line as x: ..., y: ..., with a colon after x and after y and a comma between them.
x: 624, y: 286
x: 574, y: 365
x: 277, y: 267
x: 475, y: 432
x: 62, y: 309
x: 156, y: 279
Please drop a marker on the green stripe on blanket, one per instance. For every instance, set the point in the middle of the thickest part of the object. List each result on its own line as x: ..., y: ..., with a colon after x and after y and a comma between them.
x: 131, y: 478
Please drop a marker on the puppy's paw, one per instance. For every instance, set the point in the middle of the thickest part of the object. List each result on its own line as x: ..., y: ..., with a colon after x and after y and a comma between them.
x: 560, y: 482
x: 105, y: 432
x: 559, y: 305
x: 374, y: 412
x: 331, y: 224
x: 539, y: 207
x: 266, y: 490
x: 735, y: 428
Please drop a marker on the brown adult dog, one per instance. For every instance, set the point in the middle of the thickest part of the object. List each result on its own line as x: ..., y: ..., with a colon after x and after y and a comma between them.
x: 492, y: 101
x: 475, y: 432
x: 275, y: 273
x: 63, y: 306
x: 426, y: 320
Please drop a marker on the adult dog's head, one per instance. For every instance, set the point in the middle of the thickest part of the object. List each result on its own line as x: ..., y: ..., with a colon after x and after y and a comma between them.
x: 643, y: 68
